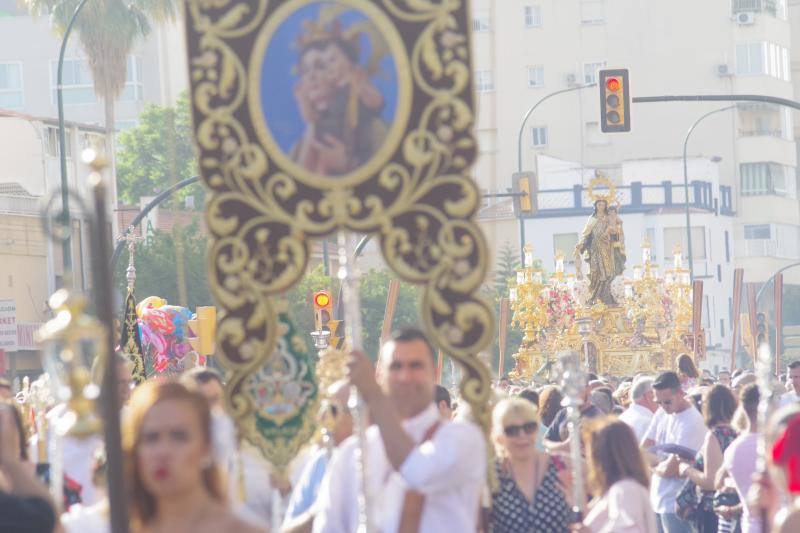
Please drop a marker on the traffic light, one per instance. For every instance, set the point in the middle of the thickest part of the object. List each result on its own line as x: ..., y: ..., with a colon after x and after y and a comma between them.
x: 615, y: 100
x: 762, y: 329
x: 204, y: 327
x: 524, y: 184
x: 335, y: 341
x: 323, y: 310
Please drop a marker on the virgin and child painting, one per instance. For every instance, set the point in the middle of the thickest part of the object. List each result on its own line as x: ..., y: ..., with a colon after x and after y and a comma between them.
x: 328, y: 88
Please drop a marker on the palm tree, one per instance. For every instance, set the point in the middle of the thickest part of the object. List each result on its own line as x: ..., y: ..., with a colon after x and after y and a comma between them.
x: 108, y: 31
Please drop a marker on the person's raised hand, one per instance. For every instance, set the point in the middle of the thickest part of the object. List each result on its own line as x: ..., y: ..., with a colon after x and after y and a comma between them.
x: 361, y: 374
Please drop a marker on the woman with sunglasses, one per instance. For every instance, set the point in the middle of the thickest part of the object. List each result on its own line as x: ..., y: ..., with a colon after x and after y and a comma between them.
x: 530, y: 496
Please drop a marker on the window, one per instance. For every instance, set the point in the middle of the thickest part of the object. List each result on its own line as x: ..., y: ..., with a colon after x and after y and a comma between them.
x: 484, y: 81
x: 482, y: 23
x: 539, y: 136
x: 673, y: 236
x: 51, y: 144
x: 592, y: 12
x: 533, y: 16
x: 566, y: 243
x: 762, y: 179
x: 12, y: 95
x: 536, y: 76
x: 719, y: 273
x: 77, y: 81
x: 133, y: 81
x: 757, y: 232
x: 763, y: 58
x: 590, y: 71
x: 727, y: 248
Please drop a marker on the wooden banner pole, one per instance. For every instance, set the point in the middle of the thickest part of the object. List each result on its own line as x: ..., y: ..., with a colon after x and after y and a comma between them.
x: 778, y: 288
x: 697, y: 314
x: 502, y: 336
x: 388, y: 313
x: 752, y: 311
x: 738, y: 276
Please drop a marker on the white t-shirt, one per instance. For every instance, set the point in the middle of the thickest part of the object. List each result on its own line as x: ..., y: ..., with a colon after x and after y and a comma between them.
x: 789, y: 398
x: 688, y: 429
x: 638, y: 418
x: 740, y: 462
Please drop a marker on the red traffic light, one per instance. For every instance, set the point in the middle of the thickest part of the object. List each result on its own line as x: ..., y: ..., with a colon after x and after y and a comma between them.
x: 322, y: 299
x: 613, y: 84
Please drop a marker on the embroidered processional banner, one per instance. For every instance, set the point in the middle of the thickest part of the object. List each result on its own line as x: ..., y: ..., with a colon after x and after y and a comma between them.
x: 313, y: 117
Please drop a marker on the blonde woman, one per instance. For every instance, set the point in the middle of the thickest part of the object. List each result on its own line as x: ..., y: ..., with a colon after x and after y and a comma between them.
x: 530, y: 496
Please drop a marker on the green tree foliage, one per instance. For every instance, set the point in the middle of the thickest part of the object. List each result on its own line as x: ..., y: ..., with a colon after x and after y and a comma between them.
x: 157, y: 153
x: 373, y: 292
x: 504, y: 277
x: 156, y: 273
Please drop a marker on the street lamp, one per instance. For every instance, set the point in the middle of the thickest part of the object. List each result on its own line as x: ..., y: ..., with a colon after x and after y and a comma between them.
x: 519, y: 144
x: 686, y: 186
x: 62, y: 143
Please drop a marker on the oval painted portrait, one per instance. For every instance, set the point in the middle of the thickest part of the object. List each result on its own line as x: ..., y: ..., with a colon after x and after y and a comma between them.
x: 331, y: 89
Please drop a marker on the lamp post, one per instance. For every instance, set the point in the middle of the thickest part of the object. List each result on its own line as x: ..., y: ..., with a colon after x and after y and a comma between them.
x: 519, y: 144
x: 62, y: 143
x: 686, y: 186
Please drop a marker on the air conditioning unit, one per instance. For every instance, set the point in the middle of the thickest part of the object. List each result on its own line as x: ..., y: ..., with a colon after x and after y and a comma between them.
x: 724, y: 70
x: 571, y: 79
x: 745, y: 18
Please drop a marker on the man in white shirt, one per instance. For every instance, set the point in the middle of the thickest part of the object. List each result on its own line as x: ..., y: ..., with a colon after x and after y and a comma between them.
x: 683, y: 425
x: 643, y: 404
x: 423, y: 472
x: 793, y: 382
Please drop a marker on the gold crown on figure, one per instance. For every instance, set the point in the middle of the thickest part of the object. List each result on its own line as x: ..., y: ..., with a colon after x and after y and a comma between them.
x: 607, y: 190
x: 319, y: 32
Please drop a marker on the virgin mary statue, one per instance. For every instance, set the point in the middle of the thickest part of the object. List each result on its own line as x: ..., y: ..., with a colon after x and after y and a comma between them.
x: 596, y: 247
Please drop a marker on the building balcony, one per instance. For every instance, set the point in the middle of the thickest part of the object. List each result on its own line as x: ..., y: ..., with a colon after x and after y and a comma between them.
x: 637, y: 198
x: 754, y: 6
x: 767, y: 248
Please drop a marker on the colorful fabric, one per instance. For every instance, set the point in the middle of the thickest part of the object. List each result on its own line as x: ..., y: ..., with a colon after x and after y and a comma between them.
x: 786, y: 453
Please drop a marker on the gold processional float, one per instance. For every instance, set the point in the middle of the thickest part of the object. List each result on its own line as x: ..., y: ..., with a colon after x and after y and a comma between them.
x: 621, y: 326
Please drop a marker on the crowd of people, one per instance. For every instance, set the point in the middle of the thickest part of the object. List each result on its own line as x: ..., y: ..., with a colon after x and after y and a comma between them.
x: 674, y: 452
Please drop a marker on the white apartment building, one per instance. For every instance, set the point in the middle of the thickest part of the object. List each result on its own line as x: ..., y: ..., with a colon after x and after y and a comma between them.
x: 156, y: 71
x: 526, y: 49
x: 742, y: 162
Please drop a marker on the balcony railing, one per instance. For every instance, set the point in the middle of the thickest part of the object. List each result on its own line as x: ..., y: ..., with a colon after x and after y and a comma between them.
x: 742, y: 6
x: 637, y: 197
x: 767, y: 248
x: 19, y: 205
x: 761, y: 133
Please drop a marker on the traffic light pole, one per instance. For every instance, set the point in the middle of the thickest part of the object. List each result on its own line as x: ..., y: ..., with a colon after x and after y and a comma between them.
x: 519, y: 150
x: 155, y: 202
x: 690, y: 252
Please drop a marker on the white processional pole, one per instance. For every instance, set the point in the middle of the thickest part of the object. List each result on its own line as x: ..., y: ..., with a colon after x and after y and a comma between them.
x: 765, y: 396
x: 349, y: 276
x: 574, y: 383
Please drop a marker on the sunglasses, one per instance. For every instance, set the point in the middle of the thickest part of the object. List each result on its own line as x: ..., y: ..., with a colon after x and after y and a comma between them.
x: 529, y: 428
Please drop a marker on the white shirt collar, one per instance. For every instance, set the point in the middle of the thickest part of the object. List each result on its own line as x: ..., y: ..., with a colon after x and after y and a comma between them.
x: 416, y: 426
x: 640, y: 409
